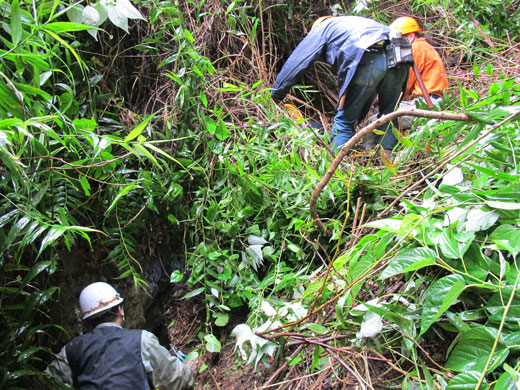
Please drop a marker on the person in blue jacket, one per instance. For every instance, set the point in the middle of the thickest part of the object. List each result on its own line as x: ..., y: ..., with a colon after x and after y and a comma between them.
x: 355, y: 48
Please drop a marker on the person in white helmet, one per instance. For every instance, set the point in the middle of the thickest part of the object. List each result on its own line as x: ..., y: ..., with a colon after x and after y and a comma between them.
x: 111, y: 357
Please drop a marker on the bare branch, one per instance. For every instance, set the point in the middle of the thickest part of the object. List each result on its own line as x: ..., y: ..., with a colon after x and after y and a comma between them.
x: 344, y: 150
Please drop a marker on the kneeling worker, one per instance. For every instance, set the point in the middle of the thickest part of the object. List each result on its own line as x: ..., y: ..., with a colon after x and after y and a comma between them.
x: 111, y: 357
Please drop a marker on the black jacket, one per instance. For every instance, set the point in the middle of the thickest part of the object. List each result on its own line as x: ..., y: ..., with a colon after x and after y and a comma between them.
x: 107, y: 358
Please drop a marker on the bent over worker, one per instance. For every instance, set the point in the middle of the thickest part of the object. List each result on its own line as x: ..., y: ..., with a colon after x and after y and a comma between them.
x: 355, y: 47
x: 111, y: 357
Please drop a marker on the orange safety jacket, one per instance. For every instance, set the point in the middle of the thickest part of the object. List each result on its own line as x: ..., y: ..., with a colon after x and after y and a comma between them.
x: 431, y: 68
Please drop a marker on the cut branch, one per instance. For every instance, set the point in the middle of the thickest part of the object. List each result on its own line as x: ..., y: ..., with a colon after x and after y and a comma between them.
x: 344, y: 150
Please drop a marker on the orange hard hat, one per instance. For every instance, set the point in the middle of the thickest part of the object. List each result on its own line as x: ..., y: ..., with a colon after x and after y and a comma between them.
x: 405, y: 25
x: 319, y: 20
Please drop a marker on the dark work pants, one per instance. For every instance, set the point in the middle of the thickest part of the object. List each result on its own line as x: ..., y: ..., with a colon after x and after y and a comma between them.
x: 371, y: 78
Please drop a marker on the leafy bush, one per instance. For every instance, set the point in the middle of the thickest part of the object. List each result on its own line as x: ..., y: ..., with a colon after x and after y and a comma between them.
x: 211, y: 162
x: 61, y: 157
x: 452, y: 253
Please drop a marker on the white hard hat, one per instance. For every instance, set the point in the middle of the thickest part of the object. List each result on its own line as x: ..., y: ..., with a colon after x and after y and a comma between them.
x: 98, y: 297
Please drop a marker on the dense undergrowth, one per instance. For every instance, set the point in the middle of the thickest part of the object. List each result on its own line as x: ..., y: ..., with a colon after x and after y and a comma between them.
x: 168, y: 134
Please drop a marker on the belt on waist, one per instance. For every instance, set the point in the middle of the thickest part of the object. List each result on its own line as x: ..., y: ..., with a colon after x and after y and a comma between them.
x: 378, y: 46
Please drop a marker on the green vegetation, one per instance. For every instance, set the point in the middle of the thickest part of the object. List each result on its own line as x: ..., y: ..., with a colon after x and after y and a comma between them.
x: 168, y: 134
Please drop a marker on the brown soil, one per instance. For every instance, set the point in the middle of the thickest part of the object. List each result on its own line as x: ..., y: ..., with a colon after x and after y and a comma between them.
x: 184, y: 319
x: 226, y: 374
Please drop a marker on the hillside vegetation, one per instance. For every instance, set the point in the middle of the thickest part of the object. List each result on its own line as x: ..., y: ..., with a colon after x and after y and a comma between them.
x: 147, y: 152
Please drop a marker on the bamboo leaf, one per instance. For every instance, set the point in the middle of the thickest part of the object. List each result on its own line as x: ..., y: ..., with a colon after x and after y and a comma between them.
x: 136, y: 131
x: 193, y: 293
x: 14, y: 232
x: 35, y: 270
x: 163, y: 153
x: 16, y: 22
x: 387, y: 163
x: 81, y: 64
x: 54, y: 233
x: 125, y: 190
x: 147, y: 154
x: 495, y: 173
x: 61, y: 27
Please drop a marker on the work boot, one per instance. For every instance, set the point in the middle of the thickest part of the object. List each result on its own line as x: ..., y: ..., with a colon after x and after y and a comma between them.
x: 369, y: 141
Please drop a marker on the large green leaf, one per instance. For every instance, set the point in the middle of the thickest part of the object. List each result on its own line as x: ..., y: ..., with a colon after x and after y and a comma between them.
x: 409, y: 260
x: 498, y: 302
x: 221, y: 131
x: 472, y: 354
x: 439, y: 298
x: 389, y: 225
x: 466, y: 381
x: 478, y: 219
x: 355, y: 272
x: 473, y: 263
x: 212, y: 343
x: 503, y: 205
x: 454, y: 247
x: 507, y: 237
x: 211, y: 125
x: 509, y: 380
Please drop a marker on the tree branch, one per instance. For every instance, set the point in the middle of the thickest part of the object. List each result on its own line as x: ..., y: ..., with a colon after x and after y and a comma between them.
x: 344, y: 150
